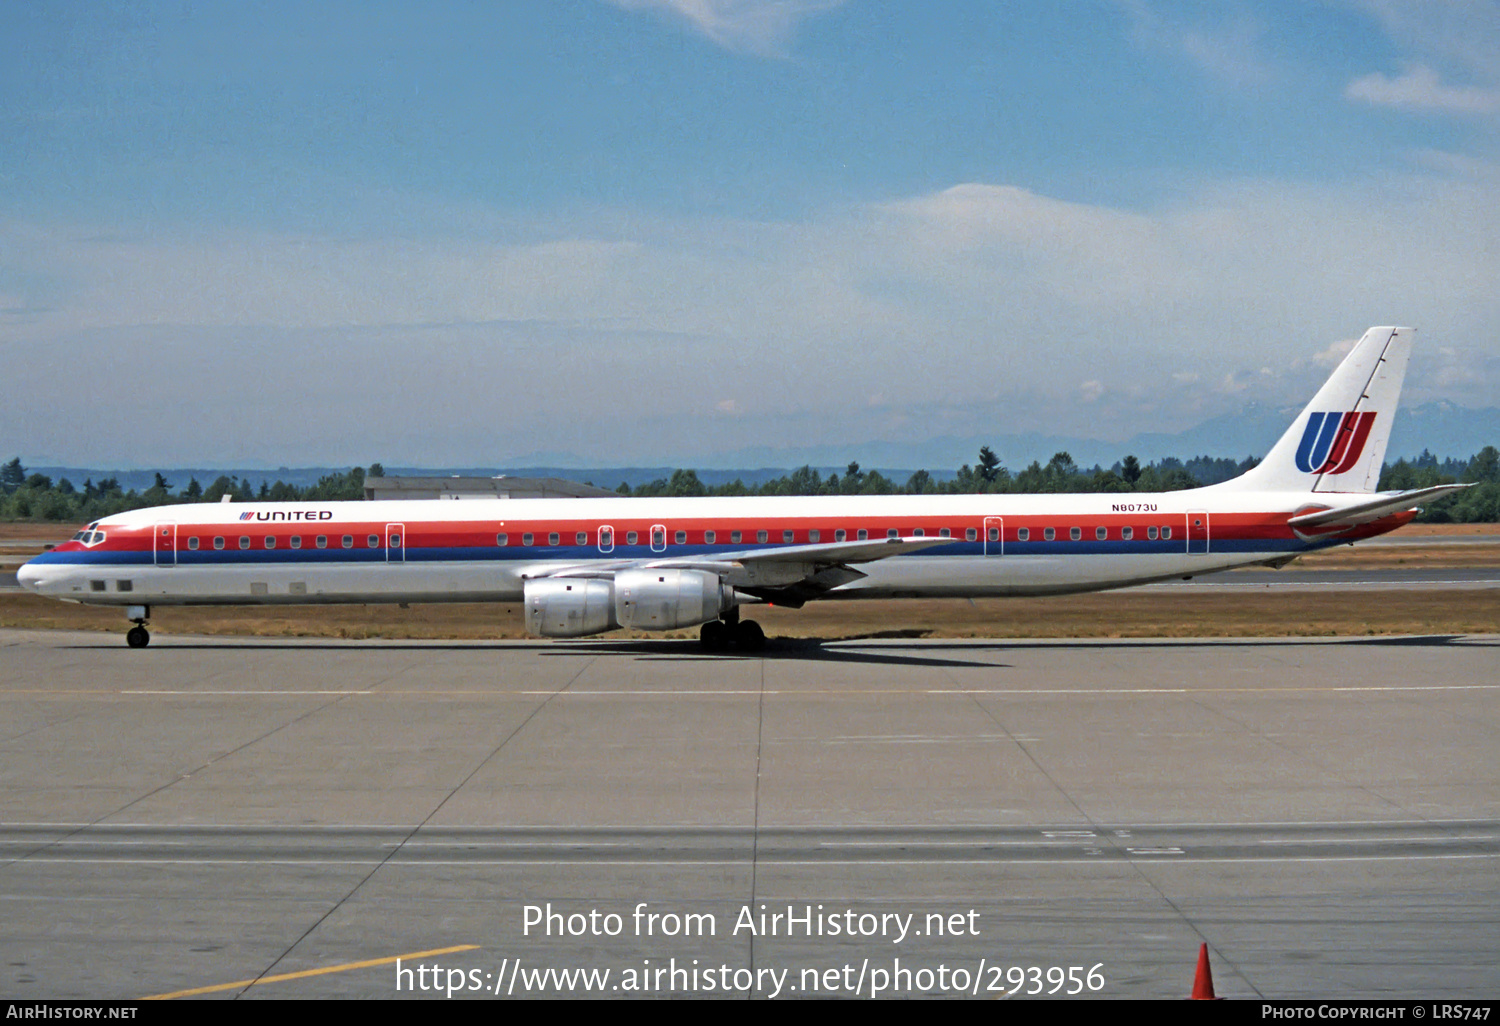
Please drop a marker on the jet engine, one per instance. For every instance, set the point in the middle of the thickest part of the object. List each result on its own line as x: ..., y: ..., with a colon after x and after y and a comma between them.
x: 562, y: 607
x: 660, y: 600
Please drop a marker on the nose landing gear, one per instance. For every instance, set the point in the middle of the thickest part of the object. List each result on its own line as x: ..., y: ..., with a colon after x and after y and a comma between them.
x: 138, y: 636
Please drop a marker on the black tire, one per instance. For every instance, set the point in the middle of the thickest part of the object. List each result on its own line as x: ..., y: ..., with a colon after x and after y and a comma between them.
x: 138, y: 637
x: 748, y: 637
x: 714, y: 636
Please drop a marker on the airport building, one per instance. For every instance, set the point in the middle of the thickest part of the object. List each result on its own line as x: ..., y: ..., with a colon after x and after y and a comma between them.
x: 502, y: 487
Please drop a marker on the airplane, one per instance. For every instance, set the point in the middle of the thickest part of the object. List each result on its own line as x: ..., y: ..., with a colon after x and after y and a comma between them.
x: 585, y: 566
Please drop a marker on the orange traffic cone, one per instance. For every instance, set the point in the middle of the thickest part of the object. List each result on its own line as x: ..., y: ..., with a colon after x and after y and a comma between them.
x: 1203, y: 983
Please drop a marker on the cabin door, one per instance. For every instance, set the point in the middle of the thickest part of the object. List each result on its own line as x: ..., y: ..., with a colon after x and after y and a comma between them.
x: 164, y: 545
x: 395, y: 543
x: 994, y: 536
x: 1197, y: 532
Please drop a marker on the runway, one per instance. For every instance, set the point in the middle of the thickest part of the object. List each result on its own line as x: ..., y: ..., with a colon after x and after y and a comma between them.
x: 261, y: 818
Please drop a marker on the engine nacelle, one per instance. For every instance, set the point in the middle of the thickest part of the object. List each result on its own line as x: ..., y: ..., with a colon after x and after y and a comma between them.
x: 659, y: 600
x: 562, y: 607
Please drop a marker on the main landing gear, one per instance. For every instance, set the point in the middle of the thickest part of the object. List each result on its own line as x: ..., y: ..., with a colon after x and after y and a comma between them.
x: 721, y: 636
x: 138, y: 636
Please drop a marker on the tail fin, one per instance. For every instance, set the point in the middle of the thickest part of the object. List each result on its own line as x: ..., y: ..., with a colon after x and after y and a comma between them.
x: 1338, y: 443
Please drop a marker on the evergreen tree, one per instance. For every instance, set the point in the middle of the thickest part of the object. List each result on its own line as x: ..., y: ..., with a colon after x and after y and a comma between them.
x: 12, y: 475
x: 989, y: 464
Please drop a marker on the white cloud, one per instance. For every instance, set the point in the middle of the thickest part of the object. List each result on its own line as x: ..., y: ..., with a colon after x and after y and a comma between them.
x: 764, y: 27
x: 1334, y: 355
x: 1420, y: 89
x: 978, y: 305
x: 1231, y: 51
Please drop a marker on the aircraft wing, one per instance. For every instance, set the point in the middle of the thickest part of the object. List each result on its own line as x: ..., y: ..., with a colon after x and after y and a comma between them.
x: 1331, y: 521
x: 787, y: 574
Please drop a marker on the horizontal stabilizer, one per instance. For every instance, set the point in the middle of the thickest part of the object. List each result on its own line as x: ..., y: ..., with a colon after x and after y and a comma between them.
x: 1328, y: 521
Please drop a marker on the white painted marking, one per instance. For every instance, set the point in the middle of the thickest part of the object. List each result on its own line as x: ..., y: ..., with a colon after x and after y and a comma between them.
x: 731, y: 862
x: 755, y: 693
x: 1383, y: 840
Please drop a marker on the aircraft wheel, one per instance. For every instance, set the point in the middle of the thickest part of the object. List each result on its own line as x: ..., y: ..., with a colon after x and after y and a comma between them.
x: 714, y: 636
x: 138, y: 637
x: 748, y: 636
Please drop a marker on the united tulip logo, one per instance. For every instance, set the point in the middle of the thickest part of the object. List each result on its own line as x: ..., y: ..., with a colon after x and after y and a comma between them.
x: 1332, y: 442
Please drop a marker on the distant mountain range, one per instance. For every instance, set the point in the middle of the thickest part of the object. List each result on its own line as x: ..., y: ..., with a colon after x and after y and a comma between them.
x: 1442, y: 428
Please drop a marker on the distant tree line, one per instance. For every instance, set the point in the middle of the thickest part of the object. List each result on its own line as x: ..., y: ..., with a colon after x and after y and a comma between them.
x: 36, y: 497
x: 26, y: 496
x: 1061, y: 474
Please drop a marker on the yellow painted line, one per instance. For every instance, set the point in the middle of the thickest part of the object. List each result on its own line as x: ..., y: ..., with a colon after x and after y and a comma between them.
x: 280, y: 977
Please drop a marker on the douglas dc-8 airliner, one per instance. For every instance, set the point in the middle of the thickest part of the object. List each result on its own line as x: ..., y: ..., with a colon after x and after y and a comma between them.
x: 585, y: 566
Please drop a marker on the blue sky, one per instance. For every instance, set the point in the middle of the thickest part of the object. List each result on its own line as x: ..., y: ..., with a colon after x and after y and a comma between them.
x: 664, y: 230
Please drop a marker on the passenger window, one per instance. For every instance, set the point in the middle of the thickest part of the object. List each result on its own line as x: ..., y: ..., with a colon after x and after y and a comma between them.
x: 395, y: 541
x: 1048, y: 534
x: 736, y: 537
x: 994, y: 534
x: 96, y: 585
x: 709, y: 536
x: 862, y: 535
x: 322, y: 542
x: 631, y: 538
x: 270, y: 541
x: 374, y: 541
x: 348, y: 541
x: 786, y: 536
x: 920, y: 532
x: 502, y: 540
x: 1075, y: 533
x: 944, y: 533
x: 1166, y: 533
x: 840, y: 535
x: 296, y: 541
x: 1024, y: 534
x: 218, y: 543
x: 681, y: 537
x: 528, y: 538
x: 761, y: 537
x: 124, y: 586
x: 552, y: 538
x: 581, y: 538
x: 814, y: 536
x: 1127, y: 533
x: 193, y: 544
x: 970, y: 534
x: 891, y: 532
x: 1151, y: 533
x: 1101, y: 533
x: 244, y: 541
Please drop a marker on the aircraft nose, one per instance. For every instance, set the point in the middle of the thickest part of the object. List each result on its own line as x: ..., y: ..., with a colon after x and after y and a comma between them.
x: 29, y: 576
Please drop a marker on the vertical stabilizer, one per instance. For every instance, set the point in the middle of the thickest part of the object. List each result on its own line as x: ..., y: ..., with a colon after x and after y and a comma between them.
x: 1338, y: 443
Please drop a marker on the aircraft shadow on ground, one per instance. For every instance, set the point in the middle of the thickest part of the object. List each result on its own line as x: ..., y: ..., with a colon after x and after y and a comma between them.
x: 895, y: 647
